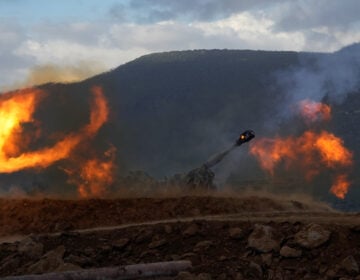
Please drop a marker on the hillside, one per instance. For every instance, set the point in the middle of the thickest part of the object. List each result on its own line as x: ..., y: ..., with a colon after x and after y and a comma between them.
x: 171, y: 111
x: 222, y: 237
x: 189, y: 105
x: 96, y: 194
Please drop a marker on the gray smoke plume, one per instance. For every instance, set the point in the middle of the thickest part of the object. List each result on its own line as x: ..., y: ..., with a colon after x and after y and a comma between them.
x: 331, y: 76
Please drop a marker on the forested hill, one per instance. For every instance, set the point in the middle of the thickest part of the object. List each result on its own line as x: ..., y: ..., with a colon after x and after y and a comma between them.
x: 176, y: 109
x: 171, y: 111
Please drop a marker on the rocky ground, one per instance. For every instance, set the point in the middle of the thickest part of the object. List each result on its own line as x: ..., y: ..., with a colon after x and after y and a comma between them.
x: 223, y: 237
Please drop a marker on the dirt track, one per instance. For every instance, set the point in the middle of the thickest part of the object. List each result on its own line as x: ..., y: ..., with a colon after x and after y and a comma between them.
x: 25, y: 216
x: 215, y: 233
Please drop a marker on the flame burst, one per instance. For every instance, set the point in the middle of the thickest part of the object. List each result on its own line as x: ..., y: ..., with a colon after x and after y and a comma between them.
x: 312, y: 111
x: 340, y: 186
x: 18, y: 108
x: 14, y: 111
x: 96, y: 175
x: 310, y: 153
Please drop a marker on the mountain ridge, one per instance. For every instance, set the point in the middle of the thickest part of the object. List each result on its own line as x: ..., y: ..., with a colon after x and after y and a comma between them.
x: 171, y: 111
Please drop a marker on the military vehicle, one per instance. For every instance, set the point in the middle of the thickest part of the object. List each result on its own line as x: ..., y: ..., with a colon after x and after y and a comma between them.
x: 202, y: 177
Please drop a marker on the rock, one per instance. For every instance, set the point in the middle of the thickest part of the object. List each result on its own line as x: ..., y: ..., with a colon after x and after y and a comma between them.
x: 278, y: 274
x: 8, y: 247
x: 49, y: 262
x: 104, y: 248
x: 236, y: 233
x: 120, y: 243
x: 312, y: 236
x: 204, y: 276
x: 257, y: 270
x: 202, y: 245
x: 288, y: 252
x: 157, y: 243
x: 68, y: 267
x: 331, y: 273
x: 149, y: 253
x: 78, y: 260
x: 144, y: 236
x: 90, y: 252
x: 350, y: 265
x: 191, y: 230
x: 248, y: 253
x: 223, y: 258
x: 10, y: 263
x: 63, y: 226
x: 263, y: 239
x: 267, y: 259
x: 168, y: 229
x: 322, y: 269
x: 57, y: 253
x: 310, y: 276
x: 252, y: 271
x: 175, y: 257
x: 30, y: 248
x: 69, y: 234
x: 355, y: 228
x: 271, y: 274
x: 195, y: 212
x: 184, y: 275
x: 187, y: 256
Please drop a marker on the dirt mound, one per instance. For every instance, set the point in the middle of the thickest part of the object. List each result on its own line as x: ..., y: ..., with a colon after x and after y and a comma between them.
x: 219, y: 249
x: 24, y: 216
x: 224, y: 237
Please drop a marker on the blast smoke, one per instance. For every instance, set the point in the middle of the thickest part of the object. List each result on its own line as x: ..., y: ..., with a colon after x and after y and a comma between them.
x: 318, y: 78
x: 18, y: 113
x: 52, y: 73
x: 332, y: 76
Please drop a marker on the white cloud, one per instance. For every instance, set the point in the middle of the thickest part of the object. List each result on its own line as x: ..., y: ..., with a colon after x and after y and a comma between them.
x: 156, y: 37
x: 150, y: 11
x: 65, y: 52
x: 255, y: 31
x: 253, y: 25
x: 307, y: 14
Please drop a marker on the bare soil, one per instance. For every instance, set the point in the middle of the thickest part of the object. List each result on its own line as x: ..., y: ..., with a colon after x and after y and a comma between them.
x: 212, y: 232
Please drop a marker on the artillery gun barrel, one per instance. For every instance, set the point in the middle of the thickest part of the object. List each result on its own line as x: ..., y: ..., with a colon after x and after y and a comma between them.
x: 202, y: 177
x: 244, y: 137
x: 219, y: 157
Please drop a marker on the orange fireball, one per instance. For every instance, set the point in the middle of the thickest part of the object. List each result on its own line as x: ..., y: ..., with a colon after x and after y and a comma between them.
x: 313, y: 111
x: 15, y: 109
x: 310, y: 152
x: 18, y: 108
x: 340, y: 186
x: 96, y: 175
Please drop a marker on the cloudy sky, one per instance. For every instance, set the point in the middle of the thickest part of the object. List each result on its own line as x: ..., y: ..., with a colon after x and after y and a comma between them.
x: 72, y: 39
